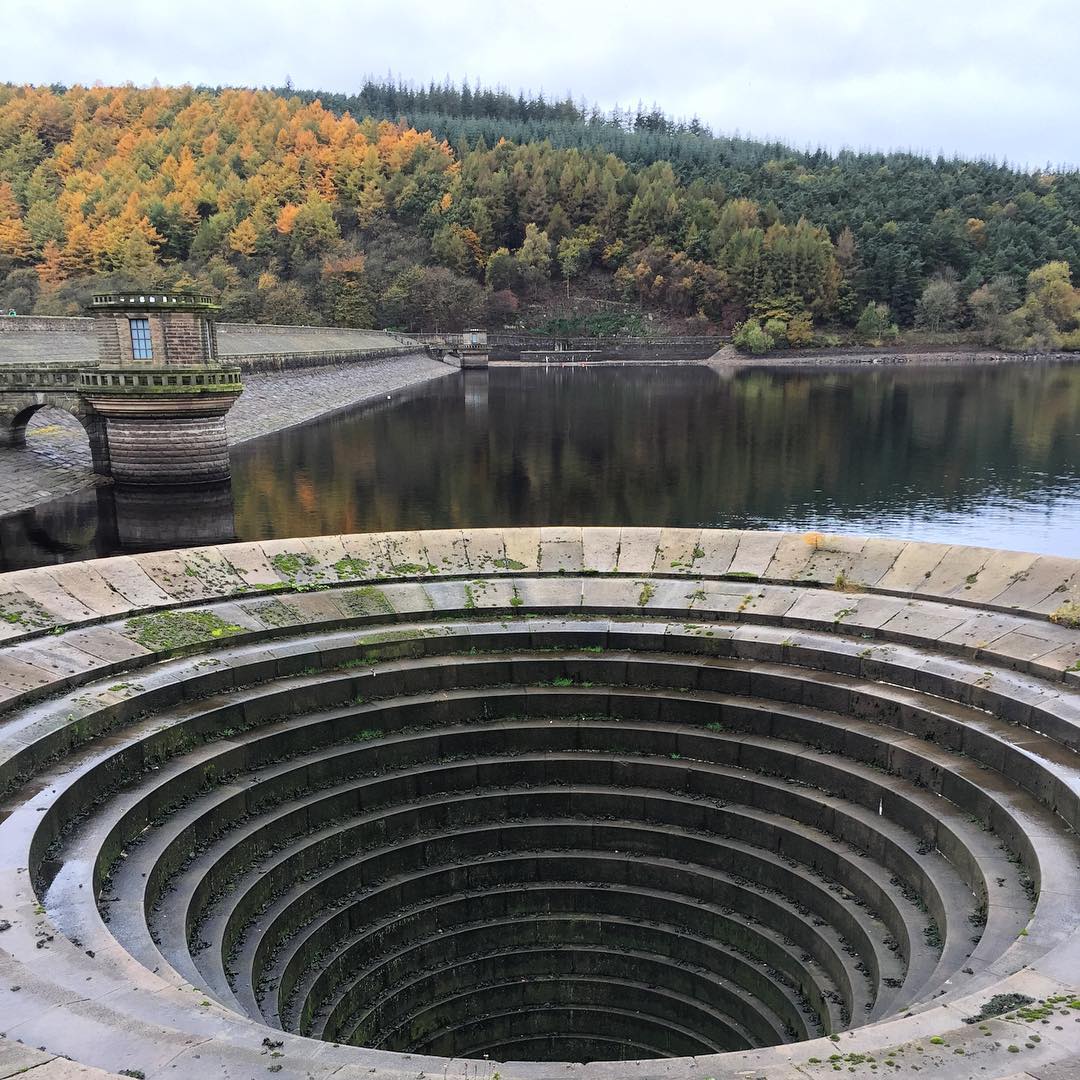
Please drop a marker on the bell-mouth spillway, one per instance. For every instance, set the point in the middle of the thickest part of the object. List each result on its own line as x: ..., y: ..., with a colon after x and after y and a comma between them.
x: 539, y: 802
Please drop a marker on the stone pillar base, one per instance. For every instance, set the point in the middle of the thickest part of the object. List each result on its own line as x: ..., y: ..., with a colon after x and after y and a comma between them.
x: 164, y: 427
x: 175, y: 450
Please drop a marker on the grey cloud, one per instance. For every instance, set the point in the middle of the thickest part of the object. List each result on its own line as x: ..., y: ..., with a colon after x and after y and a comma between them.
x: 991, y: 79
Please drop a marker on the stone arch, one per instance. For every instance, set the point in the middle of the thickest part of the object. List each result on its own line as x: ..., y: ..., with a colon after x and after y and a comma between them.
x: 17, y: 411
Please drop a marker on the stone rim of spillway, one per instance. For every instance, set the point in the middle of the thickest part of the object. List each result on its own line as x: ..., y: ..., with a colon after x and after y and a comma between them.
x: 810, y: 799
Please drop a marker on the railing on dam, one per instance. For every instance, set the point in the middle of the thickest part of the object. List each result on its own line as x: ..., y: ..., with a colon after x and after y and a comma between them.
x: 40, y: 377
x: 526, y: 346
x: 539, y: 341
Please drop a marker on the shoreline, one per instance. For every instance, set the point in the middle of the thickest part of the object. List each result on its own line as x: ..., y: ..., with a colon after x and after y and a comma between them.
x: 275, y: 402
x: 730, y: 357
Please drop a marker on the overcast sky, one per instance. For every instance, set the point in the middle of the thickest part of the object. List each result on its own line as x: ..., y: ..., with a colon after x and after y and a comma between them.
x: 992, y: 78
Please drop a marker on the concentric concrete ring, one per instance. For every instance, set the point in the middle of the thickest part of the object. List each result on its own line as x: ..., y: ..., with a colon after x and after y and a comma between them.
x: 670, y: 802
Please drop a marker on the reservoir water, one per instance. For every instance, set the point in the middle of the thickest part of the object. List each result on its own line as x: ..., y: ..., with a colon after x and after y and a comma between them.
x: 986, y: 455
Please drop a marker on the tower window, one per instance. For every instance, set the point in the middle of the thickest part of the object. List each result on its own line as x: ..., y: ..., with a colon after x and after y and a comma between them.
x: 141, y: 346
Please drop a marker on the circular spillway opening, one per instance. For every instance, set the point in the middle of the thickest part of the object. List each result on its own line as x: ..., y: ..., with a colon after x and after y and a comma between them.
x: 534, y: 840
x: 422, y: 820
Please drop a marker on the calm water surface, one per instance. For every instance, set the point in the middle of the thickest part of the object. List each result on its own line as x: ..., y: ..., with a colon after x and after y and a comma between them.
x: 972, y: 455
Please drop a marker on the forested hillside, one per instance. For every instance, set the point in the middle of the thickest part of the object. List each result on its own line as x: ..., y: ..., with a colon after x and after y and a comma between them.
x: 446, y: 206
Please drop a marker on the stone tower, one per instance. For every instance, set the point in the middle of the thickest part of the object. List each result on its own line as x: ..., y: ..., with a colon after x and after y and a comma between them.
x: 159, y: 388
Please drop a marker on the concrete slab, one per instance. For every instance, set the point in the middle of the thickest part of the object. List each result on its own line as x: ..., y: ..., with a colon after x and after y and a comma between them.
x: 1044, y: 579
x: 913, y: 567
x: 105, y: 643
x: 294, y: 563
x: 561, y: 556
x: 957, y: 568
x: 405, y: 551
x: 917, y: 623
x: 17, y: 676
x: 522, y: 550
x: 367, y: 554
x: 637, y: 550
x: 446, y: 550
x: 250, y: 564
x: 754, y: 553
x: 600, y: 549
x: 16, y: 1058
x: 718, y: 547
x: 43, y: 591
x: 485, y: 550
x: 999, y: 572
x: 982, y: 629
x: 560, y: 534
x: 875, y: 559
x: 127, y: 577
x: 793, y: 555
x: 678, y: 551
x: 88, y: 588
x: 58, y: 656
x: 328, y: 551
x: 196, y: 574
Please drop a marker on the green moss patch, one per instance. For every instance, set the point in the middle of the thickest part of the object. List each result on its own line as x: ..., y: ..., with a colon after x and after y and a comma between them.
x: 393, y: 635
x: 999, y: 1004
x: 412, y: 569
x: 367, y: 735
x: 291, y: 564
x: 366, y: 600
x: 277, y: 613
x: 175, y: 629
x: 350, y: 567
x: 22, y: 611
x: 1067, y: 615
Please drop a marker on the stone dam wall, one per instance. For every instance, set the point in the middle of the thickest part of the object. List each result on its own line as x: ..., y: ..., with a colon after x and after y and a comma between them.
x: 30, y: 339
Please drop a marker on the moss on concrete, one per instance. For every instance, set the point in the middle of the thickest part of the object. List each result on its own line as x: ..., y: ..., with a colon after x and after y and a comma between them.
x: 166, y: 630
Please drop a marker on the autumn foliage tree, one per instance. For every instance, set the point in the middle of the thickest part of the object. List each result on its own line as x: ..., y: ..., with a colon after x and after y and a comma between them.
x: 351, y: 296
x: 15, y: 242
x: 292, y: 207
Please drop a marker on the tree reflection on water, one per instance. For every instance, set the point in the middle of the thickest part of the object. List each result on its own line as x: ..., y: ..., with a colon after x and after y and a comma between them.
x: 968, y: 454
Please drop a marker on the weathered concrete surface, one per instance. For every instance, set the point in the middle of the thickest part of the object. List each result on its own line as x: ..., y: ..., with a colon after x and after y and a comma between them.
x: 855, y: 758
x: 272, y: 402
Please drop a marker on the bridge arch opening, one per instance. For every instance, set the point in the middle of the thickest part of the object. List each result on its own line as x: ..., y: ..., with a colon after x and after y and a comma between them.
x: 64, y: 435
